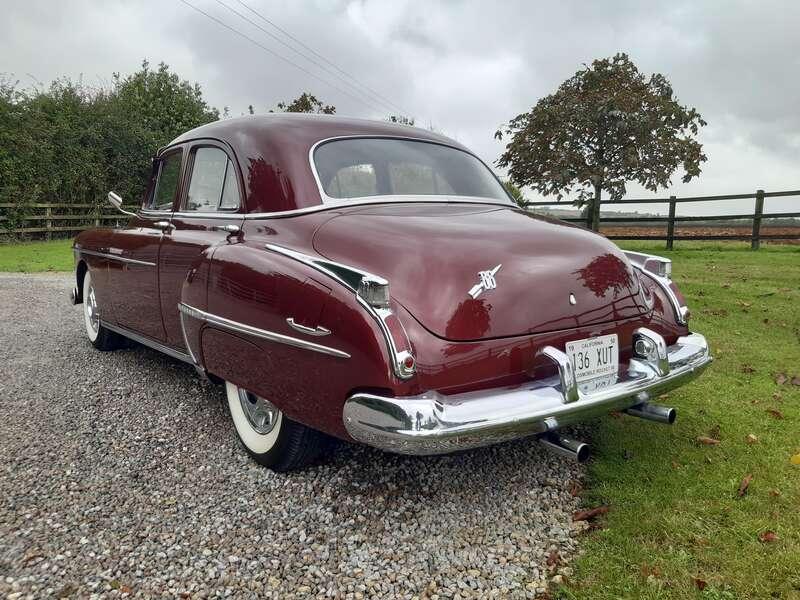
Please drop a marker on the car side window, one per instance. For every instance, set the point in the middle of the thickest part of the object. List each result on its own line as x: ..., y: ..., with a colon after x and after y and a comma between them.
x: 212, y: 186
x: 167, y: 184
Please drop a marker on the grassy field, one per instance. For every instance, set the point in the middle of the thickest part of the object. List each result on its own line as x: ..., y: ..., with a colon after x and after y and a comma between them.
x: 677, y: 526
x: 35, y: 257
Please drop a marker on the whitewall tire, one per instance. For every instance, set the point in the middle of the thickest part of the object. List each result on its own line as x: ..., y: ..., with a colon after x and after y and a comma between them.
x: 100, y: 336
x: 271, y: 438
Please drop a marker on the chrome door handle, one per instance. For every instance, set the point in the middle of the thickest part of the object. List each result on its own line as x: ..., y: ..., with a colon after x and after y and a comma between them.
x: 162, y: 225
x: 317, y: 331
x: 231, y: 229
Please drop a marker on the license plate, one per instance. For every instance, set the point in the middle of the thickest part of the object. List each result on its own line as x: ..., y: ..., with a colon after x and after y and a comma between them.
x: 594, y: 357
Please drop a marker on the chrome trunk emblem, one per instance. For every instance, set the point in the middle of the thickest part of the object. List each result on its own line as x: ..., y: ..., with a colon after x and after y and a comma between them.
x: 487, y: 282
x: 572, y: 299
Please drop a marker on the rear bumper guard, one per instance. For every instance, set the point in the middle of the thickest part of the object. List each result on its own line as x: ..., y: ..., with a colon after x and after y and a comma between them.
x: 432, y: 423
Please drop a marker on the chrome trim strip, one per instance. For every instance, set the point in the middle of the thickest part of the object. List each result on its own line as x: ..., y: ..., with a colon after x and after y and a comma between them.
x: 319, y: 263
x: 186, y: 339
x: 131, y: 261
x: 146, y: 213
x: 663, y: 283
x: 316, y: 331
x: 373, y: 201
x: 345, y: 201
x: 638, y: 260
x: 256, y: 332
x: 146, y: 341
x: 199, y: 215
x: 432, y: 423
x: 378, y: 314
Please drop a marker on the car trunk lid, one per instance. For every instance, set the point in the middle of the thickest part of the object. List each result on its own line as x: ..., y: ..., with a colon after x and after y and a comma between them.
x: 476, y: 271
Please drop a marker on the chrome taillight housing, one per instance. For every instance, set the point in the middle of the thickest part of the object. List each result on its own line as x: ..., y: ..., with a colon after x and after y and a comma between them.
x: 374, y: 291
x: 659, y: 270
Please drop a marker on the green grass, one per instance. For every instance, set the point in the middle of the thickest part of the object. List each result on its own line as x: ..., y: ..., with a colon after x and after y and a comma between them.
x: 674, y: 509
x: 36, y: 257
x: 675, y: 513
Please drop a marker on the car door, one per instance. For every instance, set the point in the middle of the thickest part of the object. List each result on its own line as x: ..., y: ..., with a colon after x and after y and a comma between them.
x: 133, y: 274
x: 209, y: 213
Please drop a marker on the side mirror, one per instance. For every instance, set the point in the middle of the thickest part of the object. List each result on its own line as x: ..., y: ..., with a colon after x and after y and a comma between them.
x: 116, y: 201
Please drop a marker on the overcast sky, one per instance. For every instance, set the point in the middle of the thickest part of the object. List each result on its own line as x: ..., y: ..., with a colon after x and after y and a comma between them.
x: 463, y: 67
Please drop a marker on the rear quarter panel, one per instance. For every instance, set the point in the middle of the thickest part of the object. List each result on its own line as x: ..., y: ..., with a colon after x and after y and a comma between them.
x: 251, y: 285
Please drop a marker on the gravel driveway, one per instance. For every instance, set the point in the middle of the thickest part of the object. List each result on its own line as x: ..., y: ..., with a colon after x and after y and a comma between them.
x: 120, y: 474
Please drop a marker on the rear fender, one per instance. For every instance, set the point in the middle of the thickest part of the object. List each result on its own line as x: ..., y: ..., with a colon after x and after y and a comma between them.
x: 308, y: 376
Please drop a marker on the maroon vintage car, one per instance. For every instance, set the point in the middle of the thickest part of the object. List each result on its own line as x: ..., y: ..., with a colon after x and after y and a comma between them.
x: 374, y: 282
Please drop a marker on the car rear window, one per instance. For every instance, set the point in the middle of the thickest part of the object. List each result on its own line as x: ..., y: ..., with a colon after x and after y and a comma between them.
x: 365, y: 167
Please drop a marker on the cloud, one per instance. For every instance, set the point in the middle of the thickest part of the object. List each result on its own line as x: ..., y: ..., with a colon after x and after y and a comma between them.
x: 464, y: 67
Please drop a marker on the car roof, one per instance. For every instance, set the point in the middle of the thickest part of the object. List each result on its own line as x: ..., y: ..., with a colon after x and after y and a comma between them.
x: 273, y: 152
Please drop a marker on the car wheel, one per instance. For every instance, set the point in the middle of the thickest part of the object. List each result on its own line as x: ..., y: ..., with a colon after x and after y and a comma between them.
x: 269, y: 436
x: 101, y: 337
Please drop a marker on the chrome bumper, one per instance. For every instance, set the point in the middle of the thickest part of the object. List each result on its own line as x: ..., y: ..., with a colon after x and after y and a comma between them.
x: 432, y: 423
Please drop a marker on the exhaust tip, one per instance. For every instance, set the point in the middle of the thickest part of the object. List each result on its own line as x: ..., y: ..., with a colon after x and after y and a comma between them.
x: 577, y: 451
x: 583, y: 453
x: 654, y: 412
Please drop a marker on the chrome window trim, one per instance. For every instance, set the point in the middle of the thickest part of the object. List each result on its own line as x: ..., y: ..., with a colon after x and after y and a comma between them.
x: 374, y: 200
x: 178, y: 149
x: 193, y: 148
x: 346, y: 201
x: 146, y: 341
x: 122, y: 259
x: 271, y: 336
x: 380, y: 315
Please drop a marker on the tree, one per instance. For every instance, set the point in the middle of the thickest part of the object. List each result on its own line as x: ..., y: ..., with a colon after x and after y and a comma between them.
x: 306, y: 103
x: 515, y: 193
x: 161, y: 102
x: 606, y: 125
x: 72, y: 144
x: 401, y: 120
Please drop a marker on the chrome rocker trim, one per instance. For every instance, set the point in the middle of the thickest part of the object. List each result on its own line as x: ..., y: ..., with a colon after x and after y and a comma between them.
x: 237, y: 327
x: 149, y: 342
x: 432, y: 423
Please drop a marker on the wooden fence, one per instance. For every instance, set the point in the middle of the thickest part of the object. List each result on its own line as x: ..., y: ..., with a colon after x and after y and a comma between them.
x: 44, y: 220
x: 756, y: 217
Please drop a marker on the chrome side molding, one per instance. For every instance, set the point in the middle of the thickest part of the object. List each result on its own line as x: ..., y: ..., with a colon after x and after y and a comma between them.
x: 265, y: 334
x: 122, y: 259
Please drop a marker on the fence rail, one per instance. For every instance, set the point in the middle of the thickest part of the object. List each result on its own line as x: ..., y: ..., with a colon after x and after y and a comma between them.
x: 46, y: 218
x: 756, y: 217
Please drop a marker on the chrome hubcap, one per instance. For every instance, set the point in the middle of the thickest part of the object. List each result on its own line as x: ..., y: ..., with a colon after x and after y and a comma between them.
x: 91, y: 309
x: 261, y: 414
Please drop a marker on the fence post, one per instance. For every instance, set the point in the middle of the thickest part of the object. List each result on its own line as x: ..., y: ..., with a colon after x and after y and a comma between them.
x: 48, y: 222
x: 755, y: 242
x: 671, y: 223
